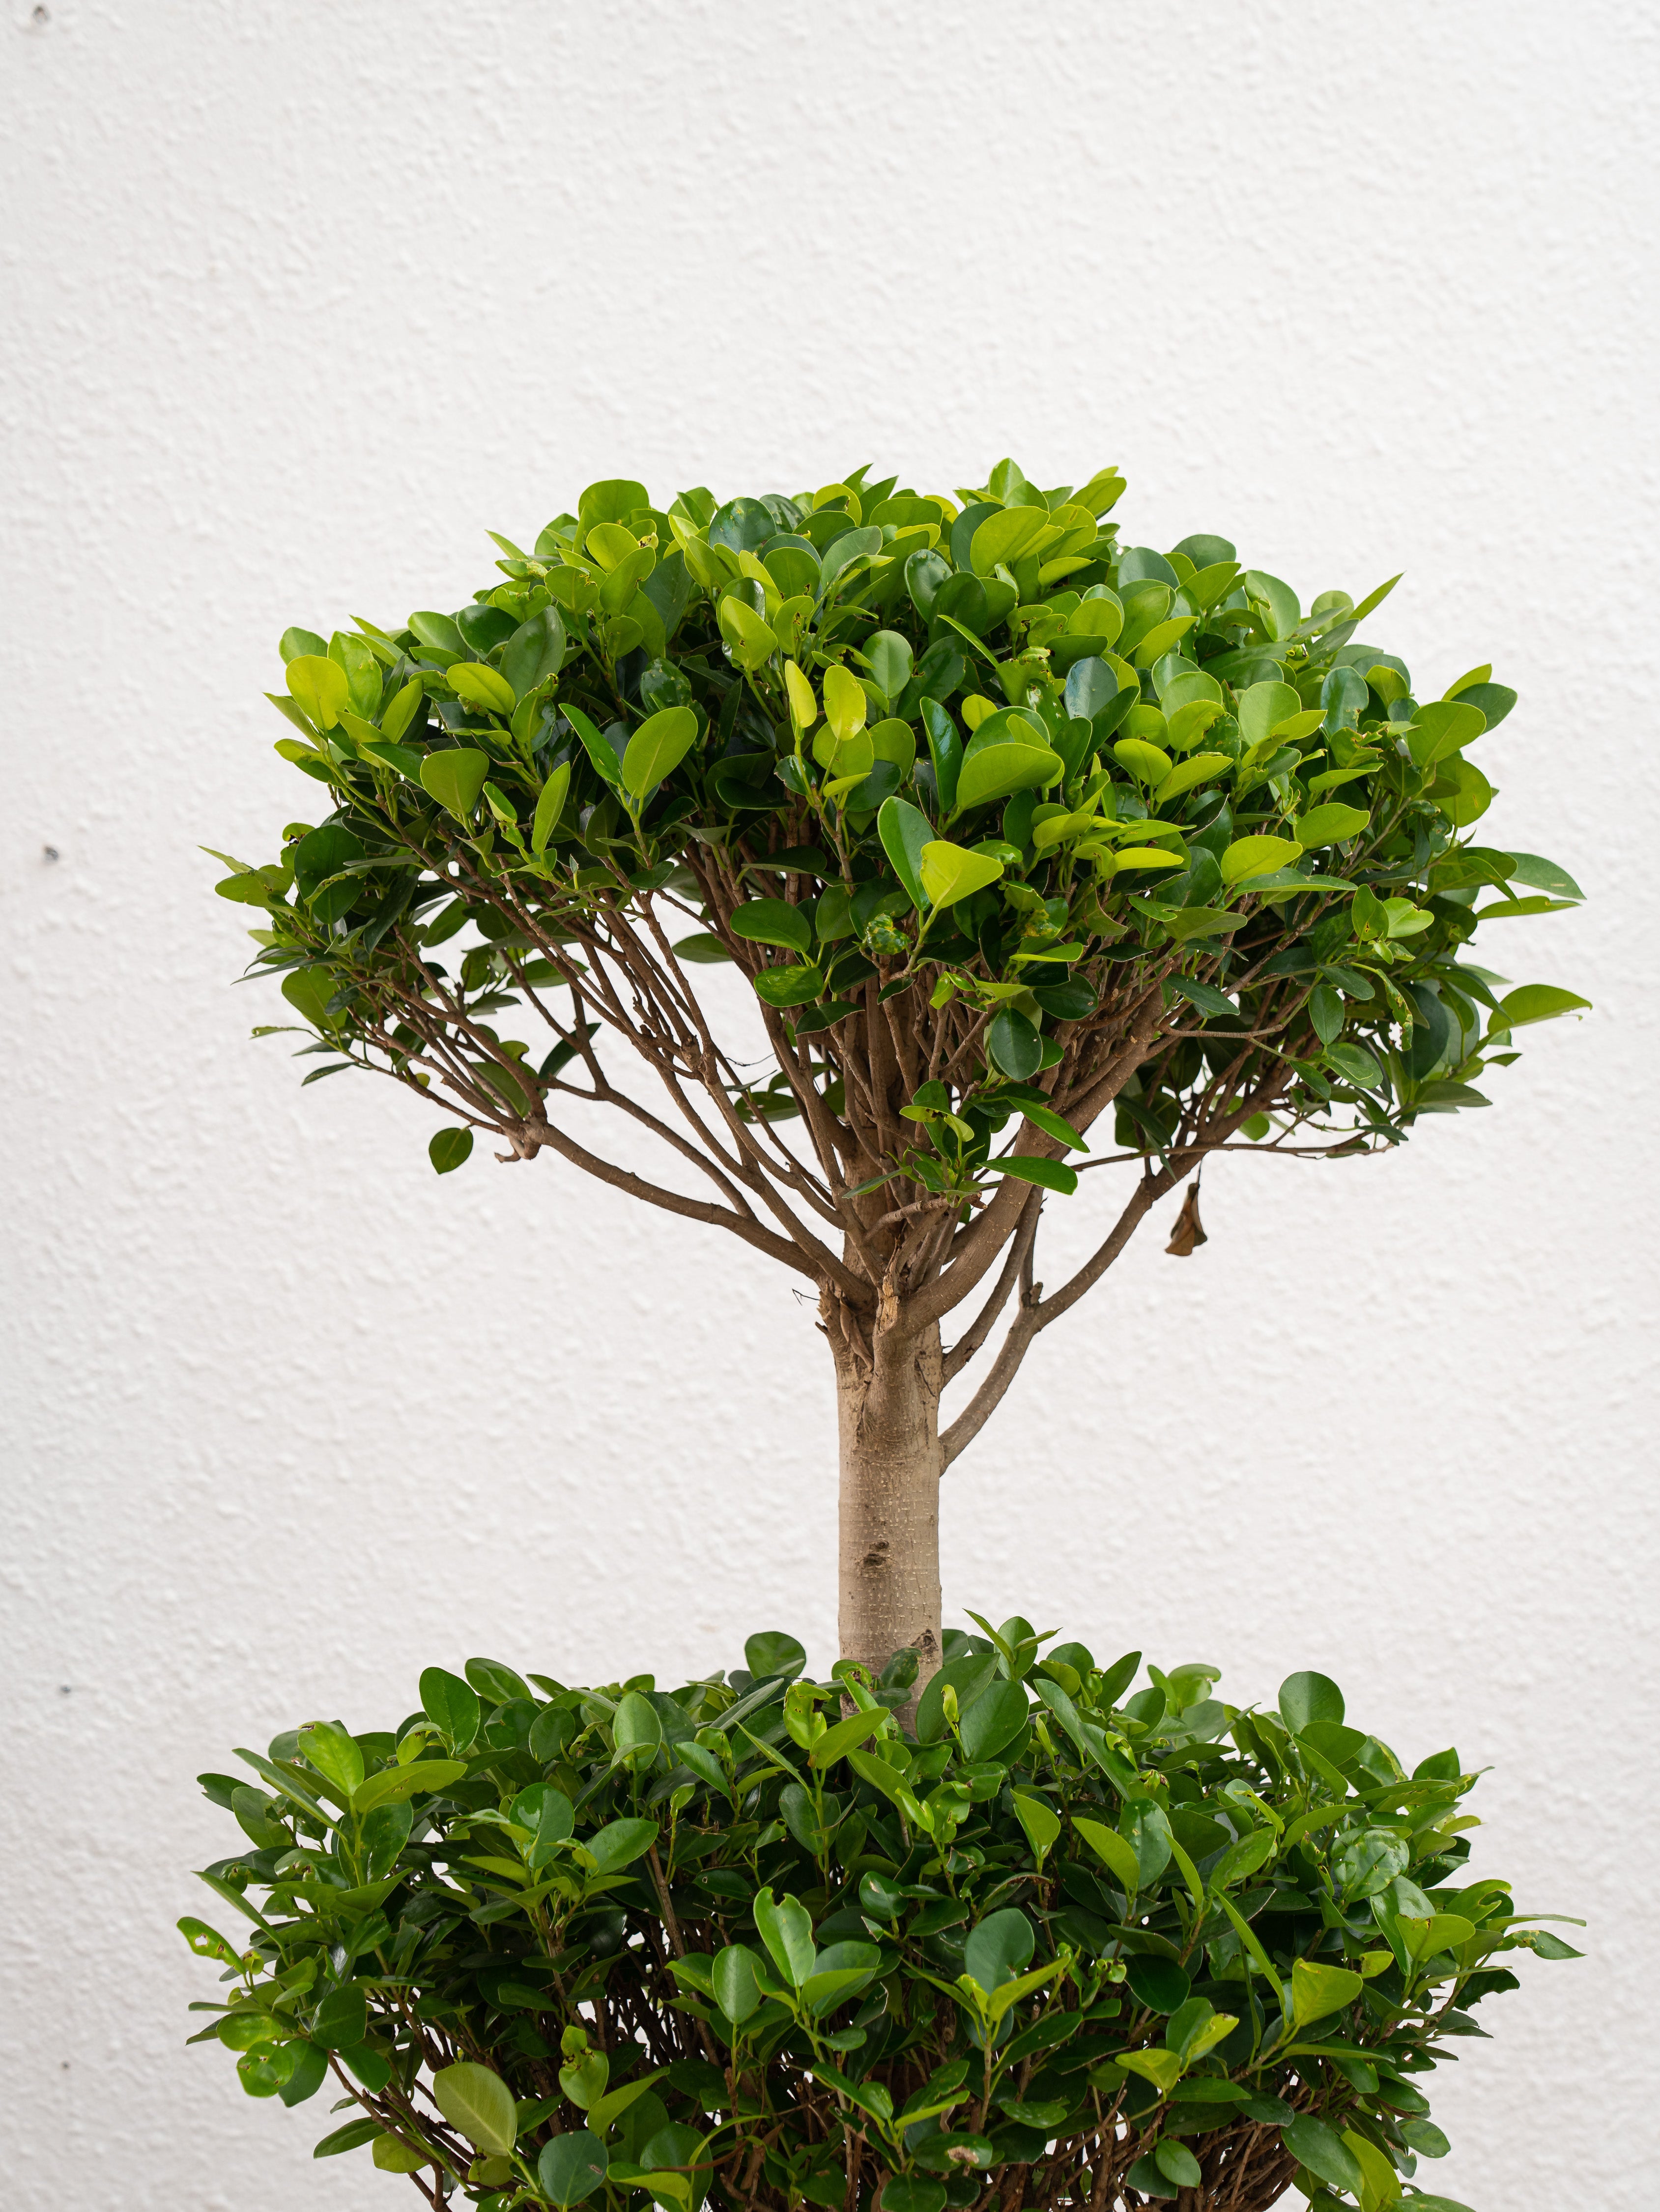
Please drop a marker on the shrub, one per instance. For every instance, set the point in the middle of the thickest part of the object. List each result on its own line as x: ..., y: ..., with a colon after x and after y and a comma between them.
x: 753, y: 1942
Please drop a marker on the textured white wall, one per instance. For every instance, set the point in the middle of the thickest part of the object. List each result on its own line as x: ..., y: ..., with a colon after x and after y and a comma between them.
x: 297, y: 300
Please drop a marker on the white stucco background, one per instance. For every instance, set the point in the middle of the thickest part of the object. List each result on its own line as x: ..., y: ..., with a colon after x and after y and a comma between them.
x: 297, y: 300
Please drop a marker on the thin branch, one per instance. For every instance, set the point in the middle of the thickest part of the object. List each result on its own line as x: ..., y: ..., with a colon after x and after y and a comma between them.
x: 1034, y: 1317
x: 975, y: 1335
x: 670, y: 1201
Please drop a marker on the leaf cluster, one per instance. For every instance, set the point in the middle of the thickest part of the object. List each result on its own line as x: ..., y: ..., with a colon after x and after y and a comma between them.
x: 1006, y: 824
x: 762, y: 1940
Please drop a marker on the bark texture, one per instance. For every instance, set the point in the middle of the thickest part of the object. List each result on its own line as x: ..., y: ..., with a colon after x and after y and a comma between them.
x: 887, y: 1399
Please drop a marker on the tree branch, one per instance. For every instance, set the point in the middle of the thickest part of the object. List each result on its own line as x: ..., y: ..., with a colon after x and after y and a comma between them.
x: 1034, y: 1316
x: 975, y: 1335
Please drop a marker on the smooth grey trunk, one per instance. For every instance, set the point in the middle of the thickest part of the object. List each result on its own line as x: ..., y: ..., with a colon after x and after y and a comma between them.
x: 888, y: 1426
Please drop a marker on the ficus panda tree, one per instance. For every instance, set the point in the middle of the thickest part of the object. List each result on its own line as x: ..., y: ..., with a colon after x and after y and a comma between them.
x: 1018, y: 852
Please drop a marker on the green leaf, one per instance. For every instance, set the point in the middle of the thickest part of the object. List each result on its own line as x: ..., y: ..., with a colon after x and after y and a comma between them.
x: 1114, y: 1853
x: 1305, y: 1698
x: 905, y: 832
x: 998, y: 1948
x: 451, y: 1705
x: 620, y: 1843
x: 448, y: 1148
x: 1241, y: 1860
x: 1428, y: 1934
x: 1163, y: 2069
x: 1316, y: 1991
x: 614, y: 499
x: 479, y: 2105
x: 550, y: 806
x: 915, y: 2192
x: 1147, y: 763
x: 334, y: 1754
x: 1262, y: 708
x: 534, y: 651
x: 1354, y: 1064
x: 455, y: 779
x: 1330, y: 826
x: 774, y: 1651
x: 1535, y: 1002
x: 481, y: 687
x: 1256, y: 856
x: 889, y: 657
x: 733, y: 1982
x: 1047, y: 1175
x: 841, y: 1736
x: 1052, y: 1123
x: 657, y: 748
x: 1041, y: 1824
x: 1200, y: 768
x: 598, y: 748
x: 1205, y: 996
x: 702, y: 947
x: 786, y: 1928
x: 784, y: 988
x: 636, y: 1731
x: 393, y: 2155
x: 352, y: 2136
x: 604, y: 2111
x: 950, y: 873
x: 1009, y: 752
x: 1325, y: 2155
x: 1015, y: 1047
x: 307, y: 2075
x: 1443, y: 727
x: 570, y: 2168
x: 205, y: 1941
x: 773, y: 922
x: 1176, y: 2163
x: 318, y: 687
x: 993, y: 1721
x: 342, y: 2020
x: 394, y: 1783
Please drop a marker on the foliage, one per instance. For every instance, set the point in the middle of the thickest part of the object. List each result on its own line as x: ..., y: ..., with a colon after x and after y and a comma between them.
x: 752, y: 1942
x: 1007, y: 825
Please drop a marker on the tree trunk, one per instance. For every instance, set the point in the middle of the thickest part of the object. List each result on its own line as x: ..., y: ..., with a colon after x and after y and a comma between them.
x: 887, y: 1418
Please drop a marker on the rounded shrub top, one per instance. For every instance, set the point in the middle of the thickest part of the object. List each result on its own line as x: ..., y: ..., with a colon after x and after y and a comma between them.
x: 1074, y: 822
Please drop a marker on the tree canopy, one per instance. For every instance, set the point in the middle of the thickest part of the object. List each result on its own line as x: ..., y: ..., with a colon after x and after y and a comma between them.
x: 1025, y: 852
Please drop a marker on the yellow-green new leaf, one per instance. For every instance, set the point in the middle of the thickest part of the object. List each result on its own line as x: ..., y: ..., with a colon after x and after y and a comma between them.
x: 1318, y: 1992
x: 950, y: 872
x: 1147, y: 763
x: 802, y: 704
x: 1163, y: 2069
x: 1256, y: 856
x: 319, y: 686
x: 1262, y: 708
x: 1187, y: 773
x: 1330, y: 826
x: 845, y: 703
x: 476, y: 685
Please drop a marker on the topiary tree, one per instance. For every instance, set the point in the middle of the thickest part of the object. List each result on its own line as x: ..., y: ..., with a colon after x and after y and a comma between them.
x: 1013, y: 842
